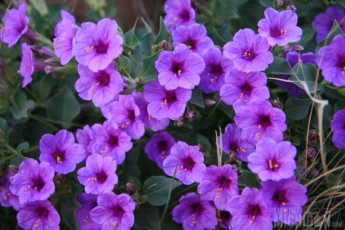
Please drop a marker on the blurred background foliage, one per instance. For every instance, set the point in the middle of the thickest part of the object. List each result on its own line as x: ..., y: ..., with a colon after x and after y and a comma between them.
x: 50, y: 103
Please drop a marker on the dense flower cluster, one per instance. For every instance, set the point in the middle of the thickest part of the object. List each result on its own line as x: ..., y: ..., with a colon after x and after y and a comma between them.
x: 193, y: 63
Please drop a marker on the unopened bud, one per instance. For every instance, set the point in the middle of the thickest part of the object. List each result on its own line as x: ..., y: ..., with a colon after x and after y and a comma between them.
x: 189, y: 114
x: 277, y: 104
x: 131, y: 188
x: 311, y: 153
x: 165, y: 45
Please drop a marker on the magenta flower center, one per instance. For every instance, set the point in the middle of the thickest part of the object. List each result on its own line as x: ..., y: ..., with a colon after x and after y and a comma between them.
x: 254, y: 211
x: 224, y: 182
x: 42, y: 212
x: 188, y: 163
x: 246, y: 89
x: 118, y: 212
x: 59, y: 155
x: 273, y: 164
x: 280, y: 198
x: 101, y: 176
x: 103, y: 79
x: 163, y: 147
x: 170, y: 98
x: 342, y: 66
x: 248, y: 55
x: 101, y: 48
x: 113, y: 141
x: 277, y: 32
x: 184, y: 15
x: 177, y: 69
x: 215, y: 70
x: 264, y: 121
x: 131, y: 115
x: 191, y: 43
x: 38, y: 184
x: 197, y: 209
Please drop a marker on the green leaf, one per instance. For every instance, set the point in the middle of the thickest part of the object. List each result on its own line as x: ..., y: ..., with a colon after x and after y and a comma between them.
x: 131, y: 39
x: 63, y: 107
x: 248, y: 179
x: 197, y: 98
x: 296, y: 108
x: 157, y: 189
x: 279, y: 66
x: 341, y: 2
x: 163, y: 33
x: 339, y: 105
x: 146, y: 217
x: 266, y: 3
x: 21, y: 106
x: 22, y: 146
x: 149, y: 70
x: 40, y: 6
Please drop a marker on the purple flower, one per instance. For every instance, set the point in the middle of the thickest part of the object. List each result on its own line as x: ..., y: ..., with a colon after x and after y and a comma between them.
x: 224, y: 220
x: 219, y: 185
x: 158, y: 148
x: 234, y: 142
x: 61, y: 151
x: 213, y: 76
x: 109, y: 140
x: 64, y: 33
x: 195, y: 213
x: 331, y: 60
x: 262, y: 120
x: 84, y: 138
x: 285, y: 199
x: 178, y: 12
x: 101, y: 87
x: 15, y: 25
x: 149, y: 121
x: 249, y: 211
x: 338, y: 129
x: 249, y: 51
x: 179, y: 68
x: 28, y: 65
x: 294, y: 58
x: 185, y: 162
x: 97, y: 45
x: 194, y: 36
x: 87, y: 202
x: 165, y: 103
x: 323, y: 22
x: 126, y: 114
x: 7, y: 198
x: 98, y: 176
x: 38, y: 215
x: 280, y: 28
x: 33, y: 181
x: 242, y: 88
x: 273, y: 160
x: 114, y: 211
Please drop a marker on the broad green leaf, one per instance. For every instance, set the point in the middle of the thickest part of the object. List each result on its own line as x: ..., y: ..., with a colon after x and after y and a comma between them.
x: 296, y: 108
x: 163, y: 33
x: 40, y: 6
x: 248, y: 179
x: 131, y: 39
x: 149, y: 70
x: 22, y: 146
x: 63, y: 107
x: 266, y: 3
x: 197, y: 98
x: 279, y: 66
x: 21, y: 106
x: 157, y: 189
x: 146, y: 217
x: 339, y: 105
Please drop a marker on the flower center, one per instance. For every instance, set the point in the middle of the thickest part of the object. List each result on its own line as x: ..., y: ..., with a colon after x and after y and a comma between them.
x: 342, y: 66
x: 191, y: 43
x: 254, y: 211
x: 277, y: 32
x: 188, y: 164
x: 103, y: 79
x: 101, y: 48
x: 184, y: 15
x: 38, y: 184
x: 59, y: 156
x: 273, y: 165
x: 113, y: 141
x: 170, y: 97
x: 101, y: 176
x: 177, y: 69
x: 246, y: 89
x: 163, y: 147
x: 264, y: 121
x: 280, y: 198
x: 248, y: 55
x: 118, y: 212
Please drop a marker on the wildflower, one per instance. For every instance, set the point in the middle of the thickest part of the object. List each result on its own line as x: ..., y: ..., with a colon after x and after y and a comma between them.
x: 262, y: 120
x: 273, y: 160
x: 185, y: 162
x: 219, y: 185
x: 216, y: 66
x: 101, y: 87
x: 165, y: 103
x: 178, y: 12
x: 97, y: 45
x: 64, y: 33
x: 38, y: 215
x: 323, y: 22
x: 285, y: 199
x: 331, y: 60
x: 249, y: 211
x: 84, y: 138
x: 98, y: 176
x: 114, y: 211
x: 338, y: 129
x: 158, y: 148
x: 109, y: 140
x: 280, y: 28
x: 242, y: 88
x: 61, y: 151
x: 194, y: 36
x: 179, y: 68
x: 33, y: 181
x: 126, y: 114
x: 248, y: 51
x: 195, y: 213
x: 87, y: 203
x: 7, y: 198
